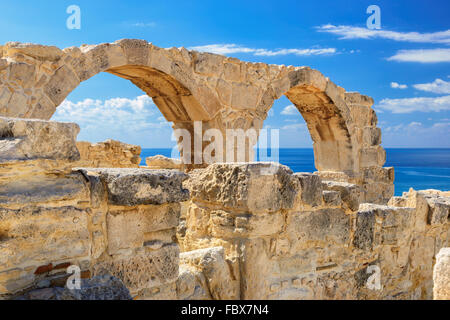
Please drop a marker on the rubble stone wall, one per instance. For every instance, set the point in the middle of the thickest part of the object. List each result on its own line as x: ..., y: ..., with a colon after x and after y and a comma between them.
x: 296, y: 236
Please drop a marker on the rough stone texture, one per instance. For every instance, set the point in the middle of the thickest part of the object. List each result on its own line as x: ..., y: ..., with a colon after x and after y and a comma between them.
x: 246, y: 186
x: 108, y: 154
x: 324, y: 245
x: 220, y: 283
x: 53, y: 216
x: 128, y: 228
x: 97, y: 288
x: 131, y: 187
x: 24, y: 139
x: 221, y: 92
x: 162, y: 162
x: 441, y: 275
x: 144, y: 270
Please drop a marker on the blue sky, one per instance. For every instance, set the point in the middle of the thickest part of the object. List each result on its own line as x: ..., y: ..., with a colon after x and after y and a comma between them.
x: 404, y: 66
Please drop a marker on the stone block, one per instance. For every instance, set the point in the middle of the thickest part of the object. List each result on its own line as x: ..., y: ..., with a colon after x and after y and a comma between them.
x: 131, y: 187
x: 24, y: 139
x: 145, y: 270
x: 35, y: 236
x: 351, y: 194
x: 322, y: 225
x: 212, y: 264
x: 332, y: 198
x: 256, y: 187
x: 43, y: 189
x: 310, y: 188
x: 127, y: 228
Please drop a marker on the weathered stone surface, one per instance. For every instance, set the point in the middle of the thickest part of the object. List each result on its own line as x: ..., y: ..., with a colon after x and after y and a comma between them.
x: 211, y: 263
x: 257, y: 187
x: 332, y: 198
x: 130, y: 187
x: 97, y: 288
x: 24, y: 139
x: 311, y: 188
x: 56, y: 233
x: 145, y: 270
x: 162, y: 162
x: 350, y: 193
x: 43, y: 189
x: 127, y: 228
x: 108, y: 154
x: 322, y: 225
x: 191, y: 285
x: 441, y: 275
x: 382, y: 225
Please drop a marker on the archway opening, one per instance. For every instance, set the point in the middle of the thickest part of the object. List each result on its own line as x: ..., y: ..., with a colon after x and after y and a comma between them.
x: 107, y: 107
x: 295, y: 142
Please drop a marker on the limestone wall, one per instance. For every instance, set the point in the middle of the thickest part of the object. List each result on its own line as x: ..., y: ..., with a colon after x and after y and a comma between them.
x: 120, y: 222
x: 297, y: 236
x: 246, y: 230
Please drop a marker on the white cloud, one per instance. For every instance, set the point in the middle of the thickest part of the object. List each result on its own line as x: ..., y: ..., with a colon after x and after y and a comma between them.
x: 290, y: 110
x: 422, y: 55
x: 271, y: 113
x: 421, y: 104
x: 416, y: 134
x: 116, y: 118
x: 397, y: 85
x: 350, y: 32
x: 225, y: 49
x: 437, y: 86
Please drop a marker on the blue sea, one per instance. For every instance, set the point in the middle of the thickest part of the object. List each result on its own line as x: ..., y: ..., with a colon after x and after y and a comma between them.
x: 416, y: 168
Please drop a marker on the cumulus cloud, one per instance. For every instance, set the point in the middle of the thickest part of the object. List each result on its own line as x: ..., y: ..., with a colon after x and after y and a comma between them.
x: 416, y: 134
x: 290, y: 110
x: 397, y: 85
x: 421, y: 104
x: 225, y: 49
x: 351, y: 32
x: 437, y: 86
x: 418, y: 127
x: 422, y: 55
x: 116, y: 118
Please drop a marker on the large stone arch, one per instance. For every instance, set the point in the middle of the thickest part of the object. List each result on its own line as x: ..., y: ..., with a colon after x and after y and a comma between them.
x: 188, y: 86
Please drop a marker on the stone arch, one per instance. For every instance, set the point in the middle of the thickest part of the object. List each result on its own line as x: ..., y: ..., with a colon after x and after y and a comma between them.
x: 328, y: 118
x: 187, y: 86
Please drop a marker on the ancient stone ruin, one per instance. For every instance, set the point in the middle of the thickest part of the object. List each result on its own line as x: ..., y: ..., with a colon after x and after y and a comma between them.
x: 174, y: 230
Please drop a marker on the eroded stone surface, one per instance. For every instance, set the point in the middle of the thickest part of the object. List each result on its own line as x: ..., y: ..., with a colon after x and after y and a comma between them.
x: 24, y: 139
x: 130, y: 187
x: 441, y: 275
